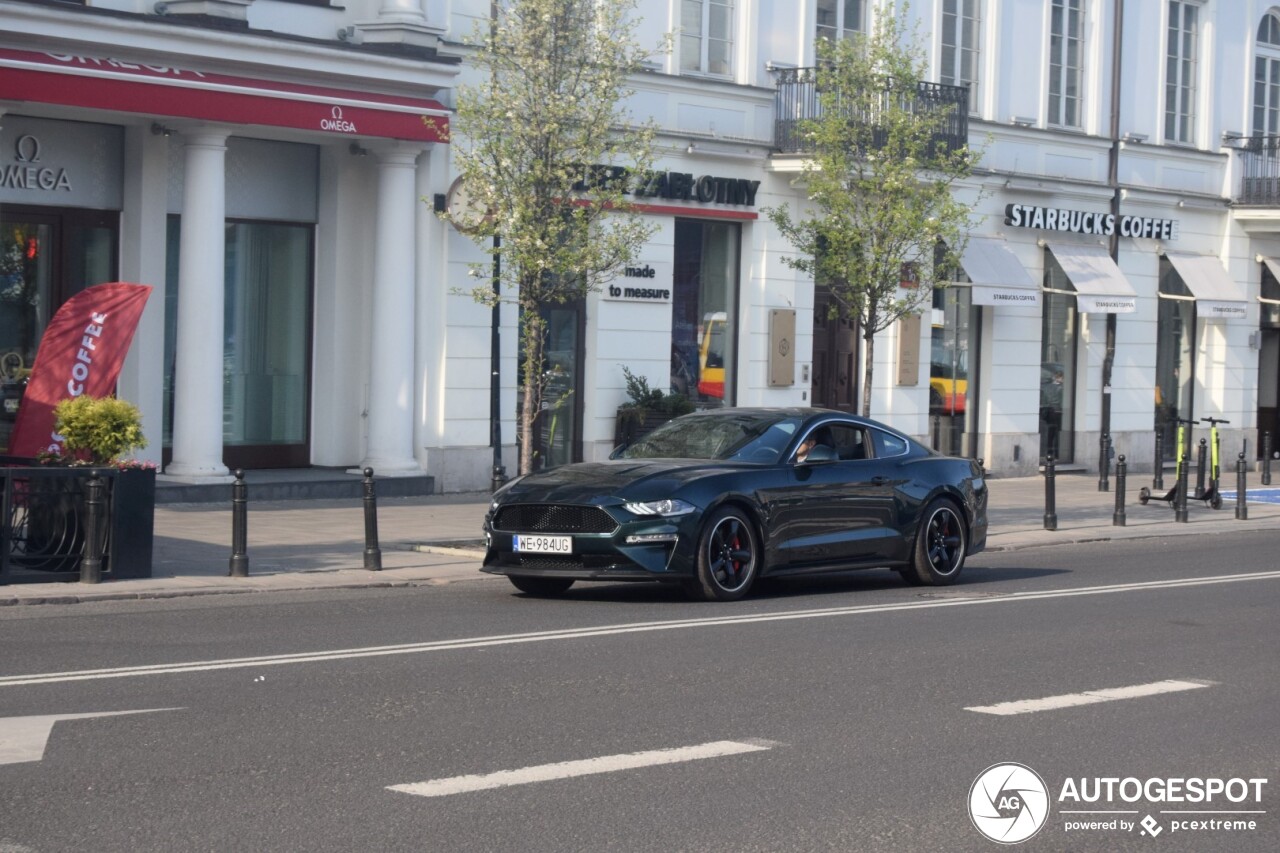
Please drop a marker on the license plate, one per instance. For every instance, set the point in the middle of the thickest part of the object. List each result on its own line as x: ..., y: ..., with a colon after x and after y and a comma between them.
x: 543, y: 544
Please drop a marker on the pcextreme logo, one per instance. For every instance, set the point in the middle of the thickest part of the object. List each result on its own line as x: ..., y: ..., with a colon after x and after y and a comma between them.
x: 1008, y: 802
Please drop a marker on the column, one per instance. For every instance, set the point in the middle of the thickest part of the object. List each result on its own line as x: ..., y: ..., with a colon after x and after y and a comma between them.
x: 198, y: 381
x: 391, y: 365
x: 405, y: 11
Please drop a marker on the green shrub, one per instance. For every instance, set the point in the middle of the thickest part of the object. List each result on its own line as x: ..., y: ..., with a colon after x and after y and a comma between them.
x: 99, y: 430
x: 641, y: 396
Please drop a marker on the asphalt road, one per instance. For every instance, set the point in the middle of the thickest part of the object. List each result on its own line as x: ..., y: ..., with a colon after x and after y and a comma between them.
x: 827, y: 714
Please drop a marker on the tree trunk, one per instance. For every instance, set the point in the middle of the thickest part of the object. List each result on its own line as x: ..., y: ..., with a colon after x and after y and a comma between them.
x: 531, y: 383
x: 869, y: 364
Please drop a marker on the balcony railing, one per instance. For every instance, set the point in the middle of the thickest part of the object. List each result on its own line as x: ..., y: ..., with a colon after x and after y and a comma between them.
x: 1260, y: 181
x: 796, y: 101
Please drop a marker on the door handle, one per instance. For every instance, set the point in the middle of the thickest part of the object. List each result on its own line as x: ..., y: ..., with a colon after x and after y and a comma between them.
x: 879, y: 481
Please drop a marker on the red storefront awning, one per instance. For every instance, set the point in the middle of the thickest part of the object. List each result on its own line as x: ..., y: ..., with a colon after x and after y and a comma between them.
x: 161, y: 90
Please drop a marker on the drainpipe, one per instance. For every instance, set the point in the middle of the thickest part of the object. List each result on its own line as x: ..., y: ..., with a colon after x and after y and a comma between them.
x: 1113, y: 179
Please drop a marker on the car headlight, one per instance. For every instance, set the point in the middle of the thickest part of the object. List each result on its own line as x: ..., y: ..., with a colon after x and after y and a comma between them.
x: 666, y: 508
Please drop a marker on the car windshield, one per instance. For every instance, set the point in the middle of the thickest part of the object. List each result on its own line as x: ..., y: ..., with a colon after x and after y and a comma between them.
x: 757, y: 437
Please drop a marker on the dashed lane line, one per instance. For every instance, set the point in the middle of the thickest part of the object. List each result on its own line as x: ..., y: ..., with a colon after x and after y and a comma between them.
x: 1090, y: 697
x: 583, y: 767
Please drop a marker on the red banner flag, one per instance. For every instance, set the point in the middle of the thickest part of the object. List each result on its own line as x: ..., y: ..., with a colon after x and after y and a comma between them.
x: 80, y: 353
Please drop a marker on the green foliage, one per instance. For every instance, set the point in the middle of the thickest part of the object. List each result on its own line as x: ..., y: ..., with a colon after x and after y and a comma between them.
x: 526, y: 136
x: 641, y: 396
x: 103, y: 428
x: 881, y: 187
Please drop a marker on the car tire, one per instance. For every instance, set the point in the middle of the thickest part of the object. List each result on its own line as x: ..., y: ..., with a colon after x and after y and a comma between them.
x: 941, y: 542
x: 540, y: 586
x: 729, y: 556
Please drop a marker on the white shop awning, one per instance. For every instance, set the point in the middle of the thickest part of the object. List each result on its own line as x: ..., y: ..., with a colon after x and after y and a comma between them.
x: 1100, y: 286
x: 1217, y: 296
x: 998, y: 277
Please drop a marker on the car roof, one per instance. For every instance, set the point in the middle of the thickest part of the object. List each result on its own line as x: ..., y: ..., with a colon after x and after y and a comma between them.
x: 805, y: 413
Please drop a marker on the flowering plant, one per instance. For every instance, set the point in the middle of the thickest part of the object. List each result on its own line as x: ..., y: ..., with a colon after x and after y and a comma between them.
x: 97, y: 431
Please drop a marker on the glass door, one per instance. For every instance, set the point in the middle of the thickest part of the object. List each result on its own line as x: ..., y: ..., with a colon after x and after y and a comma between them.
x: 952, y: 373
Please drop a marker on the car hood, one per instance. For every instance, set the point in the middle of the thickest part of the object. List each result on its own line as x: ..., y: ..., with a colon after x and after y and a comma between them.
x: 606, y: 482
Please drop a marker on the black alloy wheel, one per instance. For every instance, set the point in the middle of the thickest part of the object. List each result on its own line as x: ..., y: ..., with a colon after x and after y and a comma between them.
x: 540, y: 586
x: 940, y: 546
x: 728, y: 556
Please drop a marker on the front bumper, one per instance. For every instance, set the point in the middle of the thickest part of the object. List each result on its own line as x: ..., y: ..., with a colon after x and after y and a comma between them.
x: 638, y: 549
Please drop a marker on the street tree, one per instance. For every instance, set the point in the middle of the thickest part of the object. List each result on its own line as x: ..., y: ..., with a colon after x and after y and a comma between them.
x: 881, y: 183
x: 546, y: 149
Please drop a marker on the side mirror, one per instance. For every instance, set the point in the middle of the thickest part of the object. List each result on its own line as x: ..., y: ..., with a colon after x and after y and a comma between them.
x: 820, y: 453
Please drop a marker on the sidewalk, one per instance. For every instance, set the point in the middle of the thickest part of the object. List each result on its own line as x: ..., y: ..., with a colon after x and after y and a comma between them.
x: 319, y: 544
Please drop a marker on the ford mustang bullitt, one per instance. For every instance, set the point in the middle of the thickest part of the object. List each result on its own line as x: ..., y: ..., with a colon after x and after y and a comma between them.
x: 718, y: 499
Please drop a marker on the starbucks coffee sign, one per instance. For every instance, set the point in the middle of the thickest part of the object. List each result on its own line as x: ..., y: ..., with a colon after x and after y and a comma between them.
x: 1087, y: 222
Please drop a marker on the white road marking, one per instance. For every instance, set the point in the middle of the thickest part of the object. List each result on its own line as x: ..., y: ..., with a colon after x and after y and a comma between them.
x: 584, y: 767
x: 24, y: 739
x: 613, y: 630
x: 1089, y: 697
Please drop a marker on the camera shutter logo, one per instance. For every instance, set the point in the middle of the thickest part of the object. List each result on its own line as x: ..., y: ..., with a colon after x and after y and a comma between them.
x: 1008, y: 803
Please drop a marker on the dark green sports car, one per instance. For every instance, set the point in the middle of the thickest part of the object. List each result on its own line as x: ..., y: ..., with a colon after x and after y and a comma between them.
x: 717, y: 499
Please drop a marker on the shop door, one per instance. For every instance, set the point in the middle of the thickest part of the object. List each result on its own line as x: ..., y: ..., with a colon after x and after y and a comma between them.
x: 46, y: 256
x: 559, y: 424
x: 835, y: 356
x: 1269, y: 361
x: 953, y: 397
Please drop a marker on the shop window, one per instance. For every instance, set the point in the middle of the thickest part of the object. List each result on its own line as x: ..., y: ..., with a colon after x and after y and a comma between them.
x: 951, y: 352
x: 266, y: 345
x: 47, y: 255
x: 1175, y: 355
x: 1059, y: 331
x: 704, y: 311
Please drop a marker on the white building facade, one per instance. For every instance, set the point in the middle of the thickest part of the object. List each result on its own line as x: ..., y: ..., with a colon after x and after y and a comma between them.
x: 274, y: 169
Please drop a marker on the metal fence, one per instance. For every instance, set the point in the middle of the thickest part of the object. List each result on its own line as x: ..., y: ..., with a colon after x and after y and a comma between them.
x: 1260, y: 181
x: 796, y: 101
x: 42, y: 522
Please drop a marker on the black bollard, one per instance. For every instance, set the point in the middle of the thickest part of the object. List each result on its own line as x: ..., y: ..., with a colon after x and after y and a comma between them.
x: 91, y: 560
x: 1104, y: 462
x: 372, y: 553
x: 1117, y: 517
x: 1242, y: 508
x: 1180, y: 495
x: 1202, y: 460
x: 1050, y: 498
x: 1157, y: 481
x: 1266, y: 459
x: 239, y: 526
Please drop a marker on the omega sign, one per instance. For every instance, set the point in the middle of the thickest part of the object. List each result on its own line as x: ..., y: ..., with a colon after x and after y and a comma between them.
x: 337, y: 122
x: 1079, y: 222
x: 24, y: 174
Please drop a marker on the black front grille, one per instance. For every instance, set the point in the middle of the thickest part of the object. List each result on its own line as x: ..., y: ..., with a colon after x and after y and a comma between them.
x: 553, y: 518
x: 550, y: 562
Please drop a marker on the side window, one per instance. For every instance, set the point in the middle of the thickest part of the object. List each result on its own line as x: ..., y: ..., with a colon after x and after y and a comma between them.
x: 848, y: 442
x: 887, y: 444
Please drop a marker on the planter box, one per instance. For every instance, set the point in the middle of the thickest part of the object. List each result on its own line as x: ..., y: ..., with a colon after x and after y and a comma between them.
x: 131, y: 533
x: 42, y: 533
